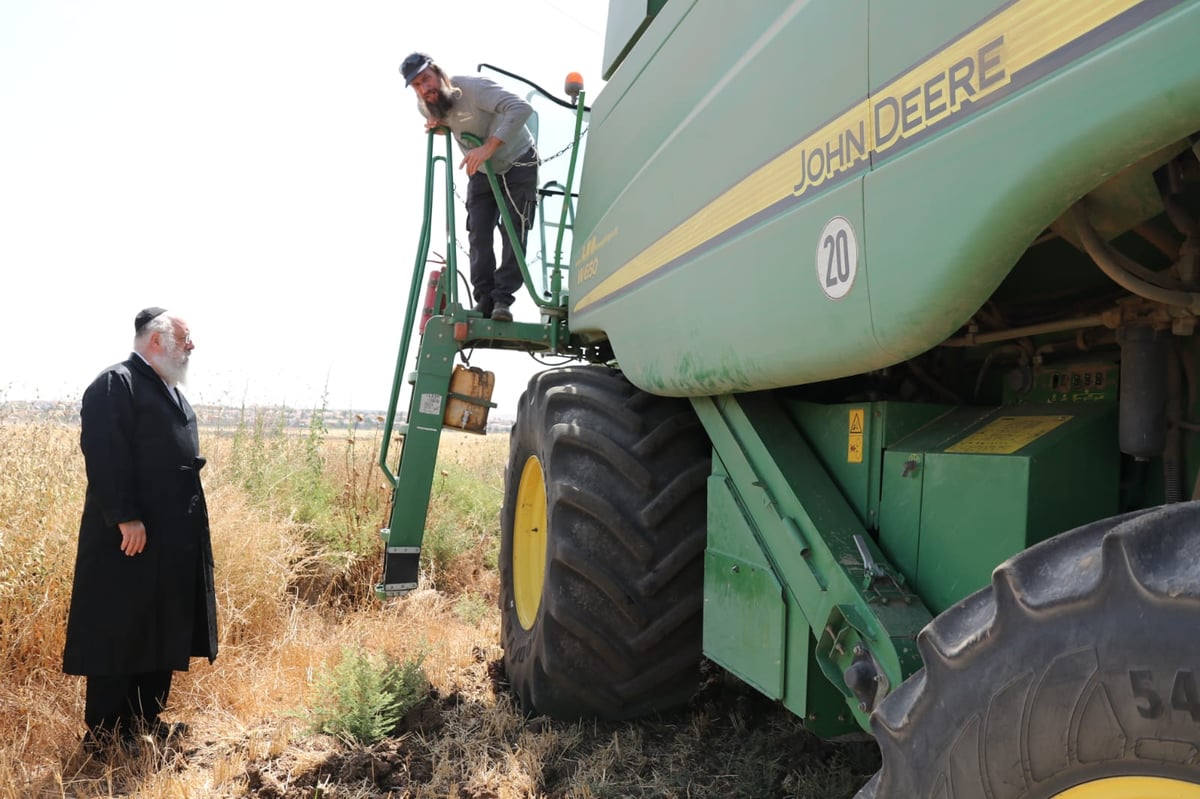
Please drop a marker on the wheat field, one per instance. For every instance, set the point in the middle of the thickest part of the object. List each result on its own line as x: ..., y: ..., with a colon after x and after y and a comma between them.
x: 294, y: 518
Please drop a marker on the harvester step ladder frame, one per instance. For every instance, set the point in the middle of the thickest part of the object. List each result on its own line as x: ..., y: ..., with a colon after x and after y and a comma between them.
x: 448, y: 330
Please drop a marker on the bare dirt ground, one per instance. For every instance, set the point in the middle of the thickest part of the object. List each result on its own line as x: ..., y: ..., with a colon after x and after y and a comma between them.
x: 729, y: 742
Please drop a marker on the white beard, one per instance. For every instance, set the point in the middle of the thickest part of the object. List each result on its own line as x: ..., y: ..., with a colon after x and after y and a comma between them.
x: 172, y: 365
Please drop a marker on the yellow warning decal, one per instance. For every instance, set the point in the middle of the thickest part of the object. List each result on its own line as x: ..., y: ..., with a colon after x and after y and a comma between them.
x: 854, y: 446
x: 1008, y: 434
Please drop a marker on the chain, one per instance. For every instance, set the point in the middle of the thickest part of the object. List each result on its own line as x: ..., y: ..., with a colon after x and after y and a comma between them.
x: 538, y: 162
x: 564, y: 150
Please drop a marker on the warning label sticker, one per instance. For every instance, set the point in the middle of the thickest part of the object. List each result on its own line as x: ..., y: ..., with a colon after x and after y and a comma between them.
x: 431, y: 403
x: 854, y: 446
x: 1008, y: 434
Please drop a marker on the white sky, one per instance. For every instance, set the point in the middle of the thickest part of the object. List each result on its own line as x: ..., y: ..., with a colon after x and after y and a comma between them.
x: 255, y: 165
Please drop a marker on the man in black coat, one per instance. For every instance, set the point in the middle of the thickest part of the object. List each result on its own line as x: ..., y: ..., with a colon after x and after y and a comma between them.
x: 143, y: 601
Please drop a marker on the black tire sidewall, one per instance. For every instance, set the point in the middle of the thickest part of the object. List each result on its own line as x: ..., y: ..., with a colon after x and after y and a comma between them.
x: 1088, y: 681
x: 618, y: 629
x: 518, y: 643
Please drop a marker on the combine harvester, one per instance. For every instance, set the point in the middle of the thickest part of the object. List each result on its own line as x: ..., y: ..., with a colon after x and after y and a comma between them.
x: 887, y: 393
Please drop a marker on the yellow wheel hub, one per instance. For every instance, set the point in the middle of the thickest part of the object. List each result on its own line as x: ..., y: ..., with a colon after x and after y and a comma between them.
x: 529, y: 542
x: 1133, y: 788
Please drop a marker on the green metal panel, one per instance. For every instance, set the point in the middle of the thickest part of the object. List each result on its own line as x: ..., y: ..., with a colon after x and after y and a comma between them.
x: 739, y: 586
x: 665, y: 146
x: 993, y: 184
x: 414, y: 476
x: 627, y: 21
x: 900, y: 510
x: 949, y: 517
x: 901, y: 480
x: 686, y: 192
x: 904, y: 31
x: 814, y: 543
x: 790, y: 335
x: 850, y: 441
x: 625, y: 147
x: 753, y: 628
x: 838, y: 436
x: 973, y: 516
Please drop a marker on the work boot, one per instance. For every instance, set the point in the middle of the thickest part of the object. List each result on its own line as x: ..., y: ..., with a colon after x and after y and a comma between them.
x: 164, y: 732
x: 502, y: 313
x: 108, y: 744
x: 484, y: 307
x: 130, y: 744
x: 97, y: 742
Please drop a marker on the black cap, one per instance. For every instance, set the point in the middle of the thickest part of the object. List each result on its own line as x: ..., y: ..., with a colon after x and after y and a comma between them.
x: 413, y: 66
x: 144, y: 316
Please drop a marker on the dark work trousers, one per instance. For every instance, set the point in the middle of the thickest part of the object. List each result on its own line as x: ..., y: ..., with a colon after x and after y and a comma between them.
x: 492, y: 286
x: 123, y: 702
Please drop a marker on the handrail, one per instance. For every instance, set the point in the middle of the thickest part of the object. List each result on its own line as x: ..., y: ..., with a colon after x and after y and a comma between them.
x: 518, y: 250
x: 449, y: 280
x: 551, y: 188
x: 556, y: 278
x: 528, y: 82
x: 555, y: 300
x: 414, y: 291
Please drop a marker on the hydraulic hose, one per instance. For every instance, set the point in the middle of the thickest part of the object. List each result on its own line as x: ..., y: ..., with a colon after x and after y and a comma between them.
x: 1060, y: 326
x: 1124, y: 272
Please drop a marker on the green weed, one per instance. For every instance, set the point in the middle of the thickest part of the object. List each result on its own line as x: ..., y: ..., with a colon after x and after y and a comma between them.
x: 364, y: 696
x: 472, y: 609
x: 463, y: 519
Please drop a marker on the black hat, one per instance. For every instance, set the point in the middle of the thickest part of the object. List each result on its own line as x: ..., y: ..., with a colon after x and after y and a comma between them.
x: 144, y: 316
x: 413, y: 66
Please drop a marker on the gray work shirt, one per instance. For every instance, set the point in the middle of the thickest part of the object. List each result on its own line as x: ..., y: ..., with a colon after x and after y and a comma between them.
x: 483, y: 108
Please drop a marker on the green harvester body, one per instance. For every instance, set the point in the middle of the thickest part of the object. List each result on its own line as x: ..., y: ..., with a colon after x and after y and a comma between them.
x: 846, y: 232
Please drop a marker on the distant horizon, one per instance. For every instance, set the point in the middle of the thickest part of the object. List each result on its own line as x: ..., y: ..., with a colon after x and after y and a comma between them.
x: 370, y: 416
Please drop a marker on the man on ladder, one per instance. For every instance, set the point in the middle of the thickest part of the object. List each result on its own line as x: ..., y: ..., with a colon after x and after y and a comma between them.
x: 480, y: 107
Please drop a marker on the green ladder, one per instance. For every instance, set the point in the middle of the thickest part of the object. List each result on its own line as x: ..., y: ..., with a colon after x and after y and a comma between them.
x: 449, y: 326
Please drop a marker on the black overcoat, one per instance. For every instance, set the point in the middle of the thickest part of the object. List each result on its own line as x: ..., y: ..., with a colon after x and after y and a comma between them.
x: 157, y: 609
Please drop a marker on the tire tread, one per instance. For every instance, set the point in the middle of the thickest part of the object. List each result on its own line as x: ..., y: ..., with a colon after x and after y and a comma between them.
x: 1054, y: 716
x: 618, y: 632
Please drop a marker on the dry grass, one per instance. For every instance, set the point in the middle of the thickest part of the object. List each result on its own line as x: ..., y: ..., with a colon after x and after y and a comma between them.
x: 289, y: 604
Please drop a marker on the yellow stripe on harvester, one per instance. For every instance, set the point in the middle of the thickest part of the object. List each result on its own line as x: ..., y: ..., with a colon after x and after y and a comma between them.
x: 977, y: 64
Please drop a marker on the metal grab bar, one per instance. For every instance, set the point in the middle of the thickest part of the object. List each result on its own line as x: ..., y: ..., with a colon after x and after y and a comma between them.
x: 553, y: 189
x: 509, y: 230
x: 448, y: 290
x: 449, y: 278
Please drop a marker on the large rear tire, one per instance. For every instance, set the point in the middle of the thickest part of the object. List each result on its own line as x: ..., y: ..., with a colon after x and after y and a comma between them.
x: 1076, y: 675
x: 602, y: 543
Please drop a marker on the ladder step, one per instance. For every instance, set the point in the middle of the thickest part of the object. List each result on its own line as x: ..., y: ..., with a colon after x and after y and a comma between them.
x: 401, y: 566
